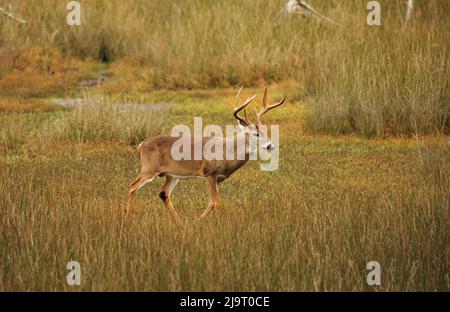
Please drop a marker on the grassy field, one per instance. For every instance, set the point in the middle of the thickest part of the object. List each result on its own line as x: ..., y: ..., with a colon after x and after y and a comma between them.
x: 371, y: 80
x: 364, y: 148
x: 335, y: 204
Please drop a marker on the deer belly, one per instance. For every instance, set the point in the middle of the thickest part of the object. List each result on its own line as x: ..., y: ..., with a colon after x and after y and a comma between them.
x: 183, y: 177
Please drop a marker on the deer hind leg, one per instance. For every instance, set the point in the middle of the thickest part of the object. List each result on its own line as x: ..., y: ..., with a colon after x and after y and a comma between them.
x: 140, y: 181
x: 165, y: 196
x: 214, y: 198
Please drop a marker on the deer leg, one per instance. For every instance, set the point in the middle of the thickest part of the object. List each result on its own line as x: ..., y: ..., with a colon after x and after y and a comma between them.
x: 140, y: 181
x: 165, y: 196
x: 214, y: 197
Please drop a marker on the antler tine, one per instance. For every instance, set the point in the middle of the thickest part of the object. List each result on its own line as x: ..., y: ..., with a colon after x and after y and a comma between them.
x: 265, y: 98
x: 237, y: 95
x: 244, y: 120
x: 267, y: 107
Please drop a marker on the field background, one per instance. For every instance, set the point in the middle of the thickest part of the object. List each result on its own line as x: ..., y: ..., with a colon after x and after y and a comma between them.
x: 364, y: 156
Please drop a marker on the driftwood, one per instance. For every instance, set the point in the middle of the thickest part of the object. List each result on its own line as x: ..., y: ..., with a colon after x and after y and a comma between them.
x: 302, y: 8
x: 409, y: 9
x: 10, y: 15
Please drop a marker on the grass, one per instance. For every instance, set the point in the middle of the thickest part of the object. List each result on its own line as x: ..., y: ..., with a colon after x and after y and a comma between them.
x: 335, y: 204
x: 364, y: 154
x: 91, y: 123
x: 371, y: 80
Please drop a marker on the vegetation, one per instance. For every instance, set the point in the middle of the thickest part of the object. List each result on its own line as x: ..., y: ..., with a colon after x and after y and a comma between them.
x: 376, y: 81
x: 334, y: 204
x: 364, y: 149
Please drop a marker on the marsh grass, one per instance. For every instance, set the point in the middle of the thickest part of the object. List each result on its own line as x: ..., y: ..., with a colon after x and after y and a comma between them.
x: 375, y: 81
x: 390, y: 81
x: 334, y: 205
x: 96, y: 121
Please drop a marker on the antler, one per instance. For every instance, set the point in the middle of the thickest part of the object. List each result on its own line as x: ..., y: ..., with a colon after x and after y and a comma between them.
x: 244, y: 121
x: 266, y: 107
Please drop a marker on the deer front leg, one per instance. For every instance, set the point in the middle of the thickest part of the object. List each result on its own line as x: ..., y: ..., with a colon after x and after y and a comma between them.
x: 214, y: 197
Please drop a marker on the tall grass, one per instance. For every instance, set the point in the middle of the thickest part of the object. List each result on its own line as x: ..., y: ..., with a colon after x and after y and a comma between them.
x: 94, y: 121
x: 372, y: 80
x: 334, y: 204
x: 394, y: 79
x: 312, y: 225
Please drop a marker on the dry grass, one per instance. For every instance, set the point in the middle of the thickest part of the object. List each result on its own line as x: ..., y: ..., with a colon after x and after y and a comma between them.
x: 375, y: 81
x: 20, y: 105
x: 37, y: 73
x: 92, y: 123
x: 389, y: 81
x: 334, y: 205
x: 313, y: 225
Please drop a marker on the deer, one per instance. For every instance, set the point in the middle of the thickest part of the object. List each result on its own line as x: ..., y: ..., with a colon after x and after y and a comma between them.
x: 157, y: 161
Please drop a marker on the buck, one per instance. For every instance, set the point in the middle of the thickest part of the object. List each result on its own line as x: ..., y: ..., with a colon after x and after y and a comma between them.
x: 157, y: 160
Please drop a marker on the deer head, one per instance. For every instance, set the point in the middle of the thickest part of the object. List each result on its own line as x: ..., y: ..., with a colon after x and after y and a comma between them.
x: 256, y: 130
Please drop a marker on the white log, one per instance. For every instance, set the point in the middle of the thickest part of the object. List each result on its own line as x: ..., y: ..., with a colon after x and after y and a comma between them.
x: 301, y: 7
x: 10, y: 15
x: 409, y: 9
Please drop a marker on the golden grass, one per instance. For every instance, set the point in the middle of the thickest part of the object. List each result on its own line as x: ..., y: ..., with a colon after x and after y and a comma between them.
x: 20, y: 105
x: 37, y: 73
x: 335, y: 204
x: 375, y: 81
x: 313, y: 225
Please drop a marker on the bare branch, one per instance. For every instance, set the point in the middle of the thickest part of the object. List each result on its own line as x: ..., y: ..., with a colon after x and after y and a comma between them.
x: 409, y: 9
x: 10, y: 15
x: 309, y: 8
x: 299, y: 6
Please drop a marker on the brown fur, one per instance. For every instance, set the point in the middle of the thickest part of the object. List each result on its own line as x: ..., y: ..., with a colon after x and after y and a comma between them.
x: 156, y: 159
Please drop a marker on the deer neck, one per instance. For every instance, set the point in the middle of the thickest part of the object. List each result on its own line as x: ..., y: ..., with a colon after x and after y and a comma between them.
x: 241, y: 153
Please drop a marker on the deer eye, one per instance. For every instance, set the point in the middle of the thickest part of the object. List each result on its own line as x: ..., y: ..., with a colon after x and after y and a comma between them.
x: 256, y: 134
